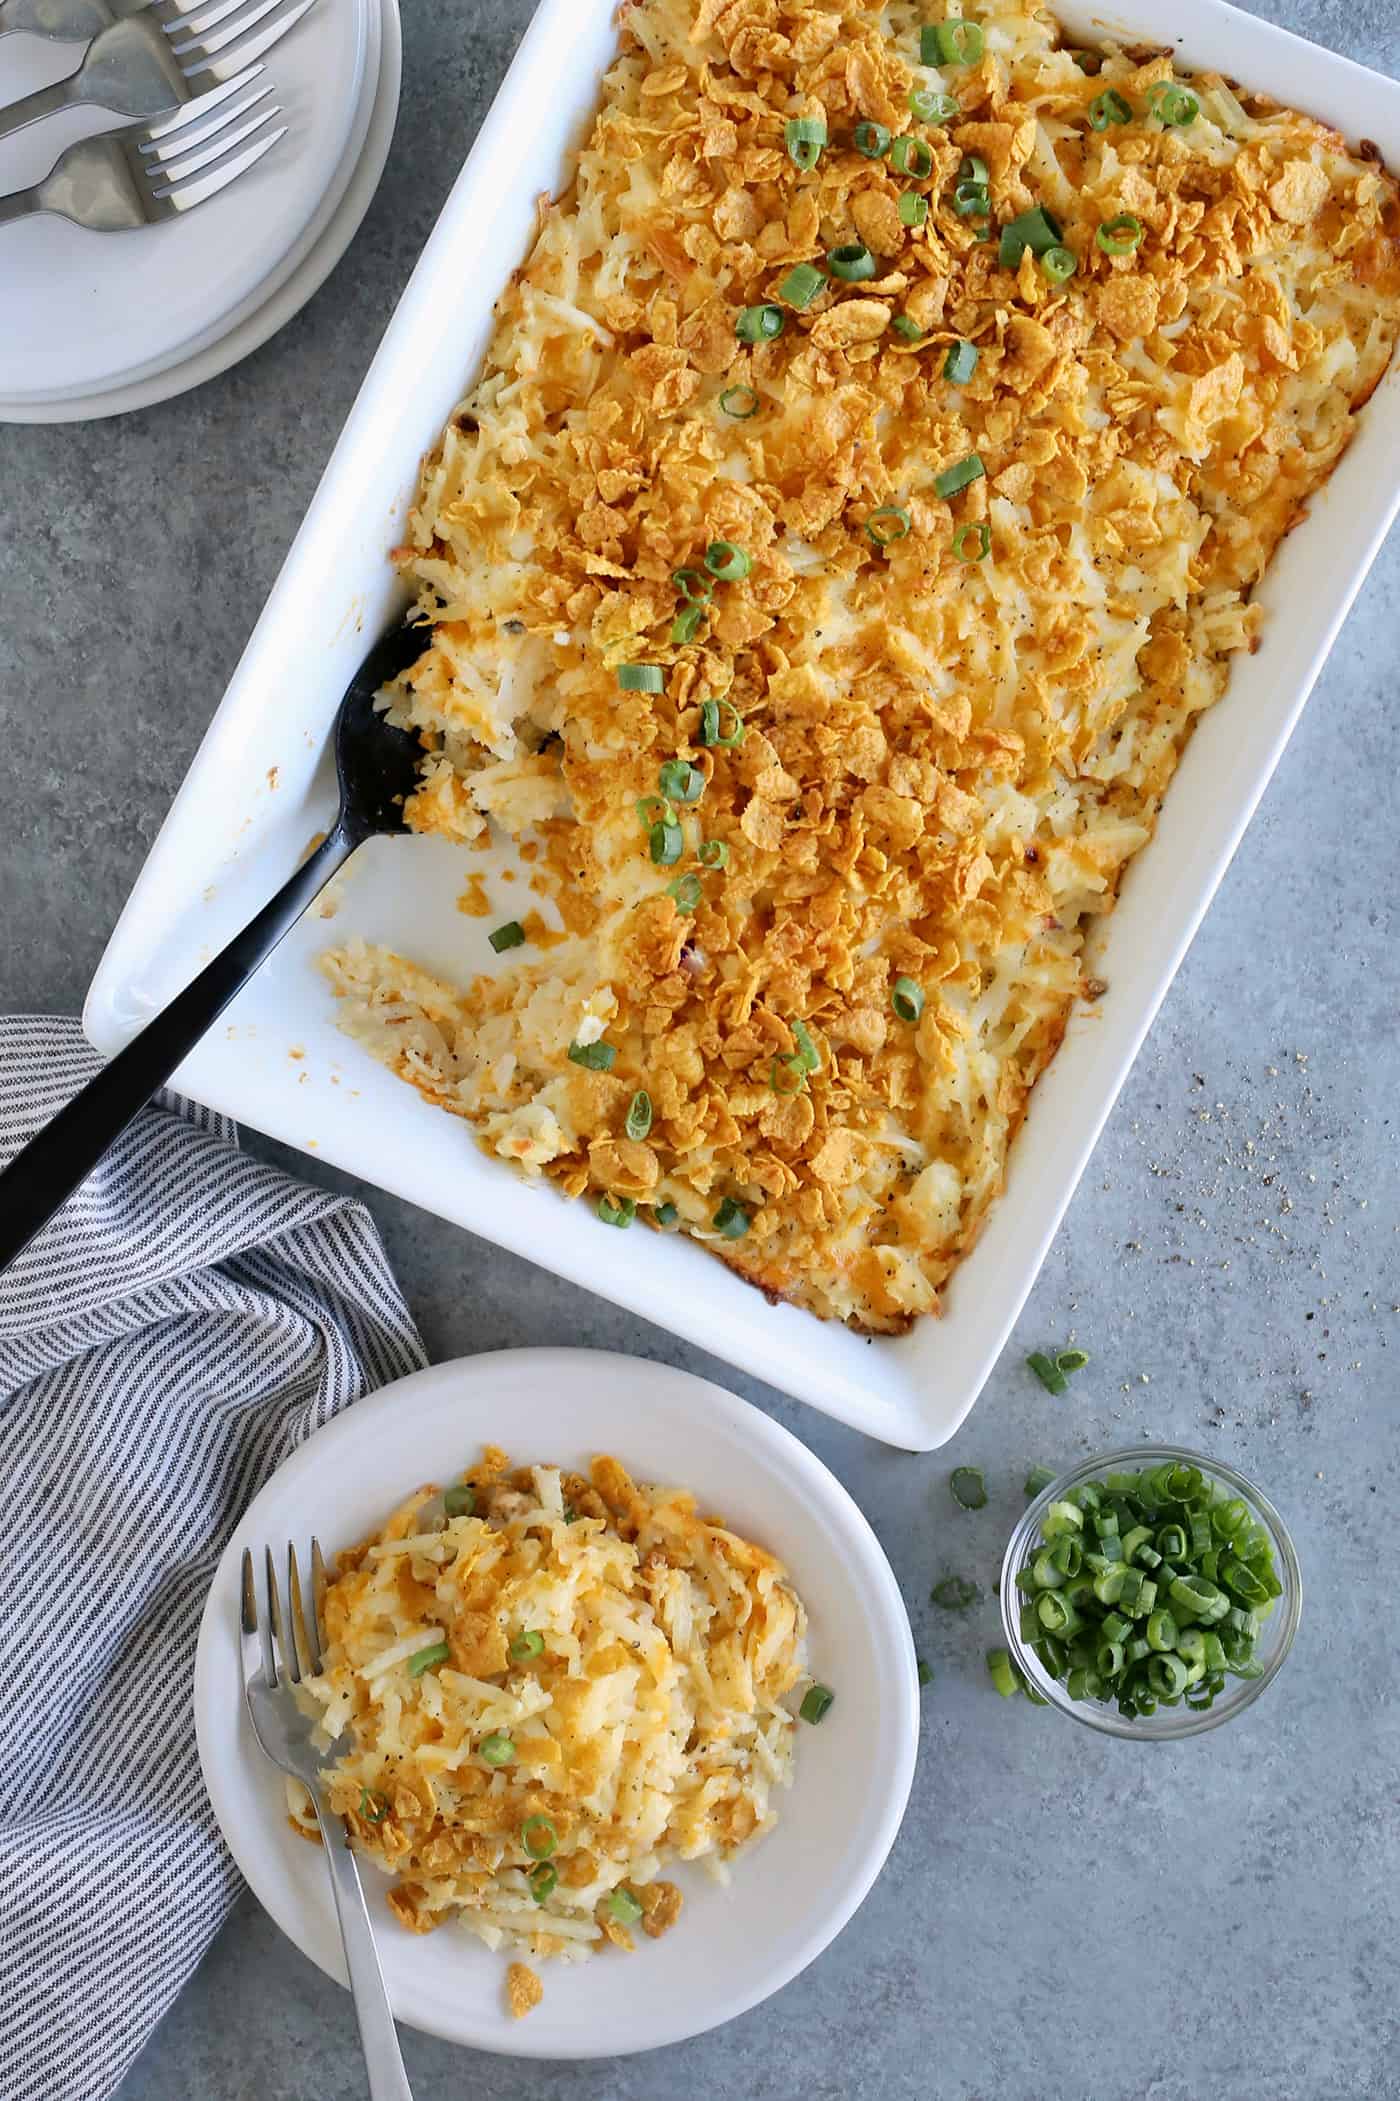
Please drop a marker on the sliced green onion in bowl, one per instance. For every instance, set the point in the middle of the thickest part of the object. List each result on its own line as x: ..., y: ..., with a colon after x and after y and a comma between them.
x: 511, y: 935
x: 1120, y: 236
x: 805, y: 137
x: 806, y: 1049
x: 972, y: 543
x: 960, y: 363
x: 639, y: 1115
x: 694, y: 586
x: 713, y: 732
x: 665, y: 1216
x: 641, y: 678
x: 624, y: 1907
x: 870, y: 139
x: 526, y: 1645
x: 1172, y: 105
x: 617, y: 1210
x: 913, y: 211
x: 369, y: 1798
x: 459, y: 1500
x: 933, y: 105
x: 955, y: 43
x: 852, y: 262
x: 681, y: 782
x: 759, y: 324
x: 666, y: 843
x: 731, y: 1221
x: 1058, y: 265
x: 739, y: 402
x: 912, y: 156
x: 538, y: 1837
x: 788, y: 1076
x: 543, y: 1881
x: 727, y: 562
x: 594, y: 1057
x: 903, y: 326
x: 687, y: 624
x: 907, y: 999
x: 1109, y: 108
x: 1035, y: 229
x: 686, y: 893
x: 817, y: 1703
x: 973, y: 168
x: 801, y: 285
x: 968, y: 1487
x: 959, y: 476
x: 886, y: 525
x: 713, y: 853
x: 428, y: 1659
x: 653, y: 809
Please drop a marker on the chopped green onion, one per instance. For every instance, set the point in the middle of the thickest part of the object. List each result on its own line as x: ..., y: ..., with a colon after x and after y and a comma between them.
x: 960, y: 363
x: 624, y: 1907
x: 1035, y: 229
x: 731, y: 1220
x: 911, y: 156
x: 685, y: 892
x: 653, y: 809
x: 713, y: 853
x: 1072, y: 1360
x: 712, y: 730
x: 641, y: 678
x: 694, y: 586
x: 1172, y: 105
x: 972, y: 543
x: 543, y: 1881
x: 1088, y: 61
x: 1037, y: 1479
x: 739, y: 402
x: 368, y: 1810
x: 595, y: 1057
x: 1003, y: 1674
x: 871, y: 139
x: 511, y: 935
x: 933, y: 105
x: 639, y: 1113
x: 426, y: 1659
x: 788, y: 1076
x: 687, y: 624
x: 666, y: 842
x: 907, y: 999
x: 726, y: 561
x: 959, y: 476
x: 1120, y: 236
x: 665, y: 1215
x: 956, y: 1593
x: 497, y: 1748
x: 913, y: 211
x: 539, y: 1837
x: 805, y: 137
x: 903, y: 326
x: 528, y: 1644
x: 617, y: 1211
x: 953, y: 43
x: 460, y: 1500
x: 801, y: 285
x: 816, y: 1703
x: 852, y: 262
x: 759, y: 324
x: 890, y: 523
x: 1109, y: 108
x: 1058, y: 265
x: 968, y: 1487
x: 925, y: 1671
x: 972, y: 200
x: 807, y: 1050
x: 973, y: 168
x: 679, y: 781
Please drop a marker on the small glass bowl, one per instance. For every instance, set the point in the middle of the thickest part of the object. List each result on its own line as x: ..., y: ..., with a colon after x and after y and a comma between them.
x: 1168, y: 1723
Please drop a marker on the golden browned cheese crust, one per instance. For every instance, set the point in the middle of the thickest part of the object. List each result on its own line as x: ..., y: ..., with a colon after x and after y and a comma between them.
x: 946, y: 762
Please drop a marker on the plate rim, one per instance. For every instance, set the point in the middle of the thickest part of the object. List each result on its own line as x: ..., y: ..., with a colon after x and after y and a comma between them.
x: 815, y: 1482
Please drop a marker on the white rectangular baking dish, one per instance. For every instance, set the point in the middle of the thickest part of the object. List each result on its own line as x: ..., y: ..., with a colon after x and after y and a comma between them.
x: 261, y: 785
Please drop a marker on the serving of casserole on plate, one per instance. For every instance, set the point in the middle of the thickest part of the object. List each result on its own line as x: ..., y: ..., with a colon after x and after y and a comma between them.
x: 914, y: 720
x: 861, y: 499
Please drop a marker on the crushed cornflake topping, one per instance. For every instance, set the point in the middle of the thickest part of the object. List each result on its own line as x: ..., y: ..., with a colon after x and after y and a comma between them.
x: 946, y: 762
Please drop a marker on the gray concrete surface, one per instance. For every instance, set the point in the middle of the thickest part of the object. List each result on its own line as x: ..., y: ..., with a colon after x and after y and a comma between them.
x: 1062, y: 1917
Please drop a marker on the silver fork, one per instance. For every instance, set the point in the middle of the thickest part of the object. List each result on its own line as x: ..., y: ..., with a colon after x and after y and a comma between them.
x: 151, y: 172
x: 277, y: 1654
x: 139, y: 69
x: 75, y: 21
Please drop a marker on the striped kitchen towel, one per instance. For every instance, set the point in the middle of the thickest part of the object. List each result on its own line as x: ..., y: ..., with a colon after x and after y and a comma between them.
x: 187, y: 1320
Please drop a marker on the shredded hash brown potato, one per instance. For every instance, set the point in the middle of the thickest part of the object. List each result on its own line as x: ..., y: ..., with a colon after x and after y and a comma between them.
x: 643, y: 1719
x: 946, y: 763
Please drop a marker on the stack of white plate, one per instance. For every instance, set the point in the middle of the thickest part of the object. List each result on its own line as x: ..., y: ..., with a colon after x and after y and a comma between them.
x: 95, y: 324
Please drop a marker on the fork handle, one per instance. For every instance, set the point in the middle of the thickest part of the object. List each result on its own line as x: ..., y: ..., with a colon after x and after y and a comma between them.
x: 379, y: 2039
x: 42, y: 103
x: 64, y: 21
x: 20, y: 203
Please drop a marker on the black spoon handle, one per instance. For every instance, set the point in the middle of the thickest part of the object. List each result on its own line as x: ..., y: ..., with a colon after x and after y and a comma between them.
x: 45, y: 1173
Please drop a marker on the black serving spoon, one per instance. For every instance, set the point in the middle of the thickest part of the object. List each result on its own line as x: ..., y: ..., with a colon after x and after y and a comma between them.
x: 376, y: 766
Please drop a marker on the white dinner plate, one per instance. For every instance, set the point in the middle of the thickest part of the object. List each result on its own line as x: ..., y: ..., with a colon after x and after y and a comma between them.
x: 86, y: 311
x: 797, y: 1888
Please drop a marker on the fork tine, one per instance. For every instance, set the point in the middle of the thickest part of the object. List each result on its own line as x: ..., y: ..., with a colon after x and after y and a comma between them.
x: 195, y: 20
x: 172, y: 173
x: 318, y: 1597
x: 251, y: 14
x: 248, y: 1595
x: 308, y: 1661
x: 219, y: 178
x: 277, y: 1644
x: 163, y: 156
x: 271, y: 33
x: 190, y: 112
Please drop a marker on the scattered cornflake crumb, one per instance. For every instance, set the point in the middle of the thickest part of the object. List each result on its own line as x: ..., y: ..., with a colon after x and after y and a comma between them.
x: 540, y: 933
x: 473, y: 900
x: 296, y: 1051
x: 524, y: 1990
x: 661, y: 1907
